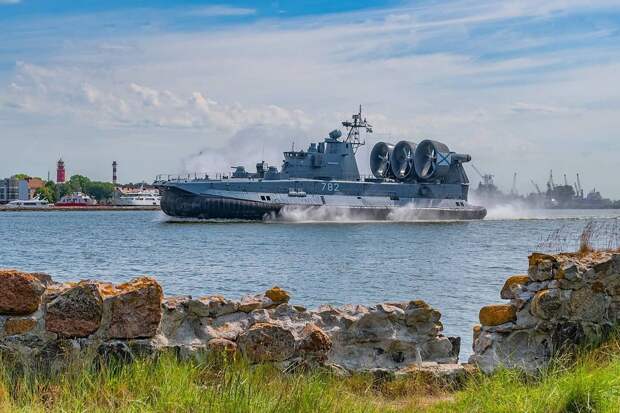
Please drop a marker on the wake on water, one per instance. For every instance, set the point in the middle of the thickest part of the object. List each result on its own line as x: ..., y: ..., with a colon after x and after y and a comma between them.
x: 406, y: 214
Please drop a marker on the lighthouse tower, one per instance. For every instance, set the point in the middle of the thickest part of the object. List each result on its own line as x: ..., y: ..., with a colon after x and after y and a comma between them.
x: 114, y: 179
x: 60, y: 171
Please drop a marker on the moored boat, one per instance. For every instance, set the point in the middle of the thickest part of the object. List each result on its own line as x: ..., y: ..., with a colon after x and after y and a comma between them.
x: 141, y: 198
x: 76, y: 199
x: 29, y: 203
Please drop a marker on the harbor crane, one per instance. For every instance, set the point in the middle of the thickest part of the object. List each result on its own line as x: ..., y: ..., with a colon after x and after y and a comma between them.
x: 513, y: 190
x: 550, y: 183
x: 578, y: 188
x: 536, y: 186
x: 487, y: 179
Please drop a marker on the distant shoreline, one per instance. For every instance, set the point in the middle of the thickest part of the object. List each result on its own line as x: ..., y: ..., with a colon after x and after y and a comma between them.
x: 84, y: 208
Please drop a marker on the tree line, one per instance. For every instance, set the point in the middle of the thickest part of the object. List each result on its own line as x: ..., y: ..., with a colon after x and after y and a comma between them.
x: 52, y: 191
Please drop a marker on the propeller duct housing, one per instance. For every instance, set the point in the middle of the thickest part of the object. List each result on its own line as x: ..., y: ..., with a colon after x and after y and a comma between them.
x: 403, y: 161
x: 432, y: 160
x: 380, y: 159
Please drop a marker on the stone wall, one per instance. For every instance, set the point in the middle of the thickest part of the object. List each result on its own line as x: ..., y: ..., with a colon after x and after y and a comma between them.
x: 565, y: 300
x: 46, y: 323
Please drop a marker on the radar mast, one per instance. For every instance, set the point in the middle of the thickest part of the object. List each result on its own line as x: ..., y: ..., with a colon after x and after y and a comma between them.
x: 353, y: 127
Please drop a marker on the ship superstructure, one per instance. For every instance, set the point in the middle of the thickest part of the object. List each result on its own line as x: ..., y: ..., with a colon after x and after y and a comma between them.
x: 426, y: 178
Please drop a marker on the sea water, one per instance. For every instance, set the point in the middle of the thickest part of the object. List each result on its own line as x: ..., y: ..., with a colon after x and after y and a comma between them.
x: 457, y: 267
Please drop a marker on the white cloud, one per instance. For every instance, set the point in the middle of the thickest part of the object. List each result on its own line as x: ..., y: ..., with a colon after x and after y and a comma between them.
x: 221, y: 11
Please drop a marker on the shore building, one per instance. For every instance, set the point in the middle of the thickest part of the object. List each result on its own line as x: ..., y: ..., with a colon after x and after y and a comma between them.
x: 12, y: 189
x: 33, y: 185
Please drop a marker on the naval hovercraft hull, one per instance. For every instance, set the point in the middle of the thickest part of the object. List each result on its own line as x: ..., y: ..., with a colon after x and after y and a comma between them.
x: 184, y: 205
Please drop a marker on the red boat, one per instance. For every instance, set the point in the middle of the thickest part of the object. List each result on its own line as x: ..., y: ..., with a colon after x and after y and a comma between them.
x: 76, y: 199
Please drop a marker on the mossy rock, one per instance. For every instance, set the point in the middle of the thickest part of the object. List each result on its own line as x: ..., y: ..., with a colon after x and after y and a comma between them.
x: 496, y: 314
x: 506, y: 292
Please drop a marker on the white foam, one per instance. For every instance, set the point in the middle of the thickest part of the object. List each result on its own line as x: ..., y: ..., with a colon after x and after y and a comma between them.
x: 317, y: 214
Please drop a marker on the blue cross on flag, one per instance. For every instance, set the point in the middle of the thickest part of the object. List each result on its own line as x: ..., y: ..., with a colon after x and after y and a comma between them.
x: 444, y: 158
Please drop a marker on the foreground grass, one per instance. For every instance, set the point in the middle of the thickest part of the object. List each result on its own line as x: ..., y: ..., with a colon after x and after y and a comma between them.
x: 591, y: 383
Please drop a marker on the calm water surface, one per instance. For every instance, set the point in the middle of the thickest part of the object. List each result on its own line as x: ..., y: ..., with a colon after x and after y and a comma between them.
x: 455, y: 266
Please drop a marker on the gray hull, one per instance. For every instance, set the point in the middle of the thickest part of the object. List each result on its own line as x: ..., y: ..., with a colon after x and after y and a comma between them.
x: 186, y: 205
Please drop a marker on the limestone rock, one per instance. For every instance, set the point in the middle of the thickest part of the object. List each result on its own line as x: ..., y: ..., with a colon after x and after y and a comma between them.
x: 173, y: 325
x: 250, y: 303
x: 230, y: 326
x: 525, y: 319
x: 587, y: 305
x: 277, y: 295
x: 20, y: 292
x: 211, y: 306
x: 381, y: 337
x: 135, y: 309
x: 547, y: 304
x: 569, y: 271
x: 109, y: 322
x: 541, y: 266
x: 14, y: 325
x: 511, y: 284
x: 521, y: 349
x: 75, y: 312
x: 222, y: 346
x: 452, y: 374
x: 496, y: 314
x: 418, y: 313
x: 476, y: 330
x: 576, y: 300
x: 266, y: 342
x: 315, y: 341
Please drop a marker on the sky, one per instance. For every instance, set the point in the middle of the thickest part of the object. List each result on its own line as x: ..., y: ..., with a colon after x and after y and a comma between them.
x: 168, y: 87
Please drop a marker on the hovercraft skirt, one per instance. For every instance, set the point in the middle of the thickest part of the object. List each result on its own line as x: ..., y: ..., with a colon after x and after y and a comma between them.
x: 185, y: 205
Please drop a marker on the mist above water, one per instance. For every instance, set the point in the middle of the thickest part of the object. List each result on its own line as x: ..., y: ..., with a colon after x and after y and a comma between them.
x: 520, y: 210
x: 320, y: 214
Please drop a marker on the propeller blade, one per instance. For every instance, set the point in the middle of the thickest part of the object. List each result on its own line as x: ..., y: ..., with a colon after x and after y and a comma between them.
x: 427, y: 167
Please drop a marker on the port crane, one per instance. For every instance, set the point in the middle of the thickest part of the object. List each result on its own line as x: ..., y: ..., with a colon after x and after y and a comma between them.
x: 513, y: 190
x: 487, y: 179
x: 578, y: 188
x: 550, y: 183
x: 536, y: 186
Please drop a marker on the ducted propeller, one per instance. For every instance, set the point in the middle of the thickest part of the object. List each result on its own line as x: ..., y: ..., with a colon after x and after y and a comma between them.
x: 380, y: 158
x: 403, y: 160
x: 432, y: 159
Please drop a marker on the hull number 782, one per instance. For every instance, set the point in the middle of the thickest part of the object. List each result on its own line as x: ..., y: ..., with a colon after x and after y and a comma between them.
x: 330, y: 187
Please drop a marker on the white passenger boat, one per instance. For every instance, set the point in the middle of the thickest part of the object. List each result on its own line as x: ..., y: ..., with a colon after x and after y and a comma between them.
x: 30, y: 203
x: 76, y: 199
x: 141, y: 198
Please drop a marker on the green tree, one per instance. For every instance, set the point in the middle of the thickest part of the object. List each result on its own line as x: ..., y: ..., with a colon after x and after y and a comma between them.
x: 99, y: 190
x: 46, y: 193
x: 19, y: 177
x: 78, y: 183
